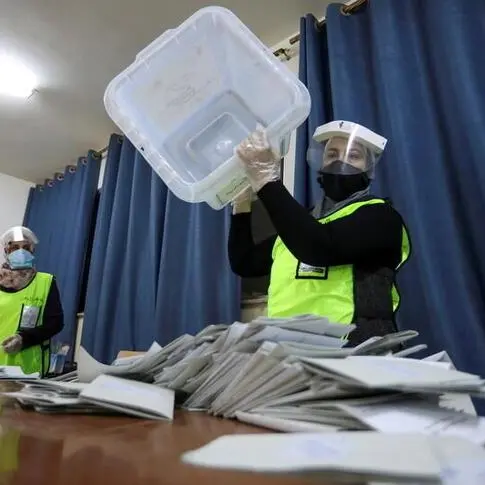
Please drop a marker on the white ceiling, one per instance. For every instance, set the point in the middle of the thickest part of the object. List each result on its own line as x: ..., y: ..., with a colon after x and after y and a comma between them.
x: 75, y: 48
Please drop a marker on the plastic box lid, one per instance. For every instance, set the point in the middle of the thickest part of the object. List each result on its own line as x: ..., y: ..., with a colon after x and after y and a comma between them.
x: 195, y: 93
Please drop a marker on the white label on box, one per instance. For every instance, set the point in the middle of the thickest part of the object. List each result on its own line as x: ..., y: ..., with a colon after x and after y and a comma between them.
x: 232, y: 189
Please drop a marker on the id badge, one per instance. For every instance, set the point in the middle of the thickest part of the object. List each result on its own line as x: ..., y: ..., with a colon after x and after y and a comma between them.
x: 306, y: 271
x: 30, y: 315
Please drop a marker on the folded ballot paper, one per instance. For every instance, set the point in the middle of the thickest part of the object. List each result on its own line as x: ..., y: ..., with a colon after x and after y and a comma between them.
x: 411, y: 458
x: 130, y: 397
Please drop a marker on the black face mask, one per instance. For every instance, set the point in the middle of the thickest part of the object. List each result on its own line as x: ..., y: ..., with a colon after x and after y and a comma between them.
x: 343, y: 182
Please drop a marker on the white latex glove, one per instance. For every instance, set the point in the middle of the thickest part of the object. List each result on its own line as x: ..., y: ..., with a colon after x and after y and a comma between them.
x: 262, y: 164
x: 13, y: 344
x: 242, y: 203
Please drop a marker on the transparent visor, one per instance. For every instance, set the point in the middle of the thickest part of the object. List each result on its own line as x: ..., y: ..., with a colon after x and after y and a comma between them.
x: 343, y: 155
x: 19, y: 234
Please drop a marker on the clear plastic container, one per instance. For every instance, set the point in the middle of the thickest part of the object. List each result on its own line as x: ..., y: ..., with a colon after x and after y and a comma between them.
x: 195, y: 93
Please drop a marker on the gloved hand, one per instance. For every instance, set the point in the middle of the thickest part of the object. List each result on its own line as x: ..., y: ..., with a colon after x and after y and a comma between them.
x: 242, y: 203
x: 13, y: 344
x: 262, y: 164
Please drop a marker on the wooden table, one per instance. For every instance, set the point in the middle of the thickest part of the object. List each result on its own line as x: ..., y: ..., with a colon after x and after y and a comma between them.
x: 38, y: 449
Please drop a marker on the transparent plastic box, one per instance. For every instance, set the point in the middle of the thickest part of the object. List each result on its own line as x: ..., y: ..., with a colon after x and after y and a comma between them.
x: 195, y: 93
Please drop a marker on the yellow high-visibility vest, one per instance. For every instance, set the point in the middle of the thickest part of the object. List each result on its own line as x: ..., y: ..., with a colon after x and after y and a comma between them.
x: 297, y: 288
x: 25, y: 309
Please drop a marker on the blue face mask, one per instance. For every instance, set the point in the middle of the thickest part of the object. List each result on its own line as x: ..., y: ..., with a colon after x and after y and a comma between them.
x: 21, y: 259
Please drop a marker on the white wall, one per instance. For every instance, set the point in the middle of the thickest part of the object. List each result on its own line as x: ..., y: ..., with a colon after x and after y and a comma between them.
x: 13, y: 200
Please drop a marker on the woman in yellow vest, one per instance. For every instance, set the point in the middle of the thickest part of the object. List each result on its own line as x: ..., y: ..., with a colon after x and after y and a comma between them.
x: 341, y: 260
x: 30, y: 307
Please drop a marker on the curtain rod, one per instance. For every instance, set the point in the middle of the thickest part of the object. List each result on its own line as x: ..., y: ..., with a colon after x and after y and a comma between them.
x: 347, y: 9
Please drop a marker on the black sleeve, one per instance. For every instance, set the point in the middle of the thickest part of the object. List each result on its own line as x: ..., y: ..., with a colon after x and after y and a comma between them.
x: 371, y: 235
x: 248, y: 259
x: 52, y: 324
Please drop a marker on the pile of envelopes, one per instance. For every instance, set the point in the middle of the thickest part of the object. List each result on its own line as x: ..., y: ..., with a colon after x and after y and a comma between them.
x: 291, y: 374
x: 294, y: 375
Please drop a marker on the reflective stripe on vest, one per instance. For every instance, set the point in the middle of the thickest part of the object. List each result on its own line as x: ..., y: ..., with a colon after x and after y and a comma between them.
x: 25, y: 309
x: 297, y: 288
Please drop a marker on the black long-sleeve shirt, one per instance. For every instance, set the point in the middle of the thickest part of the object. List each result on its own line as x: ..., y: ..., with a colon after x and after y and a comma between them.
x: 52, y: 323
x: 372, y: 235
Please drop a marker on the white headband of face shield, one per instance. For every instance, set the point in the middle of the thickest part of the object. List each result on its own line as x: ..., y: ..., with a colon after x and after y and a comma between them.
x: 349, y: 139
x: 18, y: 234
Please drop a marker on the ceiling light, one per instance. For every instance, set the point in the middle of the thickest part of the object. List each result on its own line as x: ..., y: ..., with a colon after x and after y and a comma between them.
x: 15, y: 79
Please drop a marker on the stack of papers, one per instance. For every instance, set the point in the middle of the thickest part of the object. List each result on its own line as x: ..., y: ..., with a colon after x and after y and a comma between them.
x: 187, y: 362
x: 47, y: 396
x: 387, y: 394
x: 148, y: 366
x: 12, y: 373
x: 257, y: 362
x: 106, y: 394
x: 291, y: 374
x: 398, y: 419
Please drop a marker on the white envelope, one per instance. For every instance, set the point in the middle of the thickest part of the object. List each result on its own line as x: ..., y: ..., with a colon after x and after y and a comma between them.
x: 361, y: 455
x: 391, y: 372
x: 130, y: 397
x: 418, y: 416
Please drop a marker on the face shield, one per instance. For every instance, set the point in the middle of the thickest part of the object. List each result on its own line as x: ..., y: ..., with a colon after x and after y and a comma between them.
x: 345, y: 148
x: 18, y: 234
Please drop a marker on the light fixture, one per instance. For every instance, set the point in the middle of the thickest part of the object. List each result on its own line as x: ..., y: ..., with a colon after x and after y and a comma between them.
x: 15, y: 79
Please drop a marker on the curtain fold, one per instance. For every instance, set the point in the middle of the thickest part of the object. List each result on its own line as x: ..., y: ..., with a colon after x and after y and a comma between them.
x: 159, y: 266
x: 315, y: 75
x: 414, y: 72
x: 60, y: 213
x: 196, y: 286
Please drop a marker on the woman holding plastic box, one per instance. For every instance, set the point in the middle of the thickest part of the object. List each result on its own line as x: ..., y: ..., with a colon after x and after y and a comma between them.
x: 30, y: 307
x: 341, y: 260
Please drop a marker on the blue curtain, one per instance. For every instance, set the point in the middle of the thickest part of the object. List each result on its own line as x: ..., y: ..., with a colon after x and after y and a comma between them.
x: 60, y: 213
x: 314, y: 73
x: 414, y: 71
x: 159, y: 266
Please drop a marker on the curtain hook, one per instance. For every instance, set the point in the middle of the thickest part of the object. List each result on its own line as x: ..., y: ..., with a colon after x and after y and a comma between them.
x: 319, y: 24
x: 284, y: 52
x: 349, y: 9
